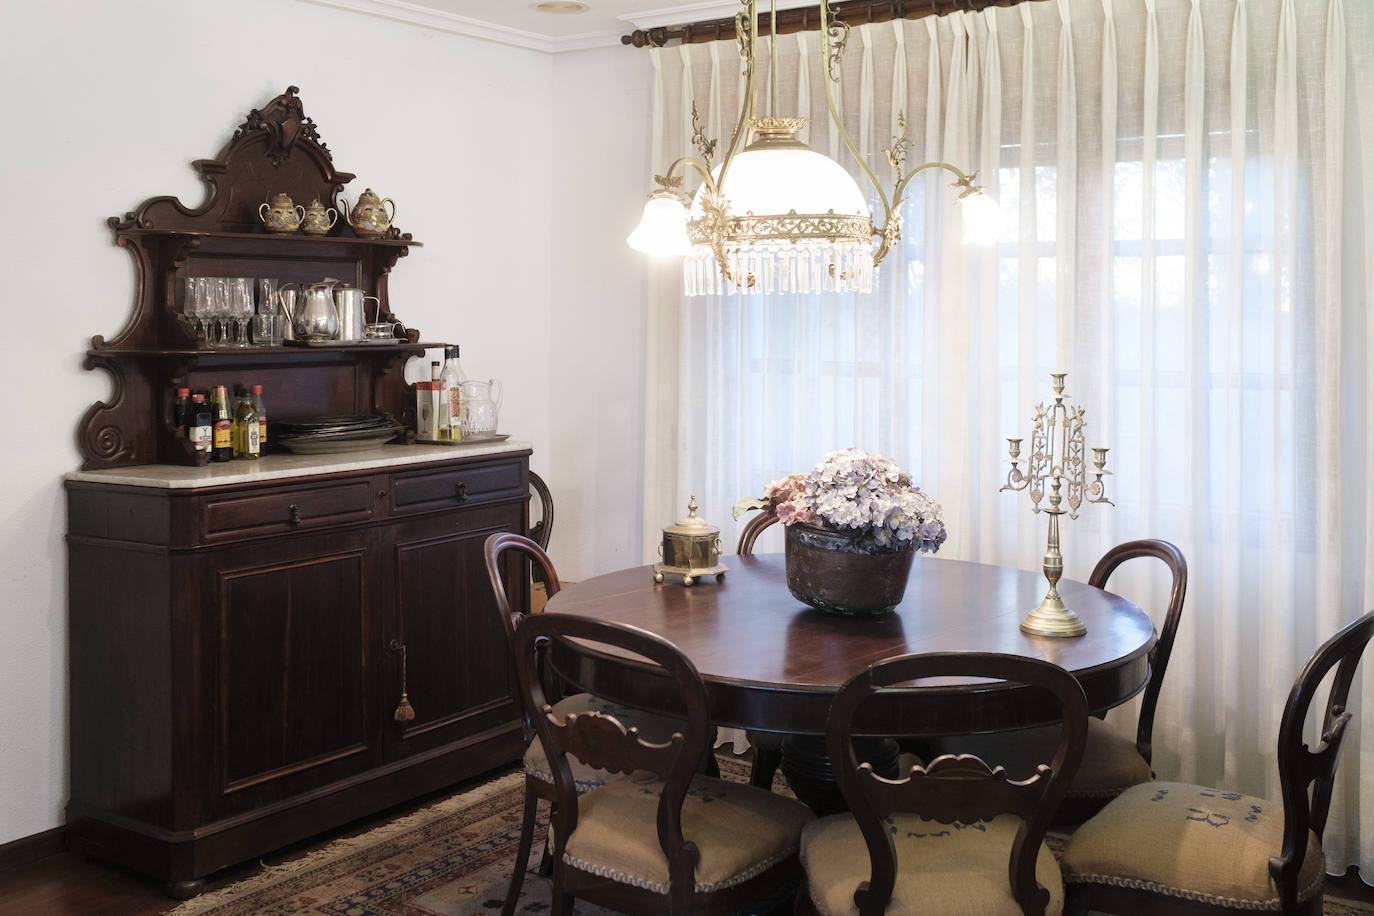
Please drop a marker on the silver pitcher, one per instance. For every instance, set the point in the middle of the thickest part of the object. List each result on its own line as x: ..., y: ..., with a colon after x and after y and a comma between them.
x: 315, y: 317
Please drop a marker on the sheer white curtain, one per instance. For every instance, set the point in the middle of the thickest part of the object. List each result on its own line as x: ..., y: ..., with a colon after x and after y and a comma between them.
x: 1191, y: 198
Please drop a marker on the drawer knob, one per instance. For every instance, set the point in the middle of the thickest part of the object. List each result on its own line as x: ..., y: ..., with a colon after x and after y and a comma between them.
x: 294, y: 516
x: 460, y: 492
x: 381, y: 494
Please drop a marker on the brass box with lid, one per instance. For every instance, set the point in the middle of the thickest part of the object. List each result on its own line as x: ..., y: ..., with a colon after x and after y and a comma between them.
x: 690, y: 550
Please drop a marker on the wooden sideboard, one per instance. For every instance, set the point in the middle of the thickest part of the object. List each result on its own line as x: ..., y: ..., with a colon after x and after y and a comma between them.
x: 241, y: 633
x: 235, y: 660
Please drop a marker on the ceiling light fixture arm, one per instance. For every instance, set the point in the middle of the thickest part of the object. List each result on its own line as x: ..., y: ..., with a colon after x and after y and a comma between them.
x: 836, y: 33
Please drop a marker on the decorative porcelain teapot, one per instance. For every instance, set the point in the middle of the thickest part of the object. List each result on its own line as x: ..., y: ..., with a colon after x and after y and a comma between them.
x: 318, y: 219
x: 369, y: 217
x: 280, y: 213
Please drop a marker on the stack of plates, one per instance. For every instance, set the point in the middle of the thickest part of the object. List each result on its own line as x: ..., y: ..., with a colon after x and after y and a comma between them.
x: 328, y: 435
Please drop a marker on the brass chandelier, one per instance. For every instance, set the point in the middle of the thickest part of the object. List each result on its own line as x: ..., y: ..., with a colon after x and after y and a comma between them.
x: 790, y: 219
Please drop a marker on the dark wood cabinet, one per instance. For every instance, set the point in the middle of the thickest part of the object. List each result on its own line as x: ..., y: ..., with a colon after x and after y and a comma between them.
x: 234, y: 683
x: 241, y: 635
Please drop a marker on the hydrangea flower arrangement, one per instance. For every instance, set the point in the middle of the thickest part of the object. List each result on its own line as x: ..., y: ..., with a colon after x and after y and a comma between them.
x: 853, y: 490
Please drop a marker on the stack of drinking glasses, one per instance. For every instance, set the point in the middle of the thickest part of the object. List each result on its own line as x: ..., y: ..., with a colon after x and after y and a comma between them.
x: 221, y: 308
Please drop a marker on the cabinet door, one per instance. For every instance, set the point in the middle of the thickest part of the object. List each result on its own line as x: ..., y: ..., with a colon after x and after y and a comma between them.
x: 288, y: 635
x: 458, y: 672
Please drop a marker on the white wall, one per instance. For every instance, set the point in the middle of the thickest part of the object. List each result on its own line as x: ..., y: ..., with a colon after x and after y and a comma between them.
x: 602, y: 174
x: 106, y: 104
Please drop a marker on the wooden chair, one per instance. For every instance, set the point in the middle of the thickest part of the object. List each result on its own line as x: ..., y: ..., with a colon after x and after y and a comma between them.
x: 539, y: 777
x: 541, y: 530
x: 955, y: 836
x: 767, y: 745
x: 663, y: 839
x: 1171, y: 847
x: 1111, y: 763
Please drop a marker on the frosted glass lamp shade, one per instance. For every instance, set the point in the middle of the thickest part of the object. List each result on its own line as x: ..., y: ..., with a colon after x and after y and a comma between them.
x: 776, y: 181
x: 662, y: 230
x: 983, y: 217
x: 797, y: 222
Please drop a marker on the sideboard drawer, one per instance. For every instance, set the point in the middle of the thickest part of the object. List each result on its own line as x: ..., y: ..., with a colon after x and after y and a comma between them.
x: 450, y: 487
x: 283, y: 511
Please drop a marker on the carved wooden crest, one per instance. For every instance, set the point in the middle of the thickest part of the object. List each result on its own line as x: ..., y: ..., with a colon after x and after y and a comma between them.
x: 284, y: 120
x: 276, y: 149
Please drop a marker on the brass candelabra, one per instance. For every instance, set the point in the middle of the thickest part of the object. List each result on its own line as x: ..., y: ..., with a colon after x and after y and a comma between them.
x: 1056, y: 461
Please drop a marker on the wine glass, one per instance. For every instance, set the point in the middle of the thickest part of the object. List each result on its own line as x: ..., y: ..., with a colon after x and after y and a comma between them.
x: 217, y: 309
x: 240, y: 307
x: 193, y: 306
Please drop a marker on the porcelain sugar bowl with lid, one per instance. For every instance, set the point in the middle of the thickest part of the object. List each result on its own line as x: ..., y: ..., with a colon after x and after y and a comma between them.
x: 690, y: 550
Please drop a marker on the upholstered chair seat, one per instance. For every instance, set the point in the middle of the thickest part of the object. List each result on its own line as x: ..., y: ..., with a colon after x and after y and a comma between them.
x: 1190, y: 842
x: 954, y: 863
x: 739, y: 831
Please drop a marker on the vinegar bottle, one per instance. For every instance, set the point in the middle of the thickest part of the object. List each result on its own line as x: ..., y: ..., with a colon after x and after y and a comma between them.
x: 445, y: 432
x: 262, y: 418
x: 453, y: 402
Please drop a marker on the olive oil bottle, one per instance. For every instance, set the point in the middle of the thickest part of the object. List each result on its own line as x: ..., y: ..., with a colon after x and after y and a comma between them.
x: 246, y: 434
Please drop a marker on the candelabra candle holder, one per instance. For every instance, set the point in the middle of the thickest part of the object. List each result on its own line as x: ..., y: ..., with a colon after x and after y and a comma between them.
x: 1056, y: 463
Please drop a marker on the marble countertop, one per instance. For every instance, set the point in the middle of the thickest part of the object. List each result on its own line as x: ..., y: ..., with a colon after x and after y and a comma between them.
x: 282, y: 467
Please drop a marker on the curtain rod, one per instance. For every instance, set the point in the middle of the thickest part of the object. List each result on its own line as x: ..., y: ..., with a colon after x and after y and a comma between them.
x: 806, y: 19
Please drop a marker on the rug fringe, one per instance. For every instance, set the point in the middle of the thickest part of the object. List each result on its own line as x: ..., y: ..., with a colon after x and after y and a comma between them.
x: 335, y: 849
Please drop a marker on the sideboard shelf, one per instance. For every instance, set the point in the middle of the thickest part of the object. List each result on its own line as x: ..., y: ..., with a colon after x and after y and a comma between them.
x: 242, y: 354
x: 337, y: 236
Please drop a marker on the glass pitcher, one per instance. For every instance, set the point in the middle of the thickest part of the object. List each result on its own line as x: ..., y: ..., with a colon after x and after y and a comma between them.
x: 481, y: 405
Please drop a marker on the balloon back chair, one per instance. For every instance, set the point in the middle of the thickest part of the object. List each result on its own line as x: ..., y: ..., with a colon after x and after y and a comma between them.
x: 663, y: 838
x: 1111, y: 763
x: 957, y: 835
x: 1175, y: 848
x: 541, y: 530
x: 509, y: 557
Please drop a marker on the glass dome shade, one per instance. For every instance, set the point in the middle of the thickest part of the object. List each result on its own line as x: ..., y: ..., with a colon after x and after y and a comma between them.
x: 983, y: 217
x: 662, y: 230
x: 777, y: 181
x: 796, y: 222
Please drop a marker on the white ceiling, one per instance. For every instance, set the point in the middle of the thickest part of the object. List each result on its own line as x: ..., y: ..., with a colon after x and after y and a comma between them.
x: 516, y: 22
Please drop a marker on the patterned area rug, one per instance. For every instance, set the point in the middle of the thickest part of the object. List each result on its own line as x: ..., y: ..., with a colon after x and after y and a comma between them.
x: 452, y: 858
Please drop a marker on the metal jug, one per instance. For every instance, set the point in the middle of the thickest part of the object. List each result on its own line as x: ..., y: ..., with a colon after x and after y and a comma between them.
x: 352, y: 308
x: 315, y: 317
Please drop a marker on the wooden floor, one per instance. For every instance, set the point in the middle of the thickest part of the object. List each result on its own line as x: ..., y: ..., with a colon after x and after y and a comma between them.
x: 74, y: 885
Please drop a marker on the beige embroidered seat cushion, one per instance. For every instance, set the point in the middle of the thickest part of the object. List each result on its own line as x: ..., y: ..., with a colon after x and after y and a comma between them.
x: 950, y: 869
x: 740, y: 831
x: 656, y: 729
x: 1110, y: 764
x: 1189, y: 841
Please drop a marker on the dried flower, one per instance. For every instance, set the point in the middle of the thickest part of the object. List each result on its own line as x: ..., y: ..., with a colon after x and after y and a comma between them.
x: 853, y: 490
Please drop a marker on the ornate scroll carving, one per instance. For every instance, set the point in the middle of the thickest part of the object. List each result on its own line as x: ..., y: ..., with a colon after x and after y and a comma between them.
x: 284, y: 120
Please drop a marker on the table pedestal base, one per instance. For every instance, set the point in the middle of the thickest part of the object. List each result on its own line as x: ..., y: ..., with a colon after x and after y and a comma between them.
x: 811, y: 776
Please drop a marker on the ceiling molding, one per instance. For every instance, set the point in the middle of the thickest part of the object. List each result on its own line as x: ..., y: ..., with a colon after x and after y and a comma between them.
x: 694, y: 12
x: 438, y: 20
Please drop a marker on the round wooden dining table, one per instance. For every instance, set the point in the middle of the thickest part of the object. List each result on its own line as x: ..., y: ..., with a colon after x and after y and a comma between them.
x: 773, y: 664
